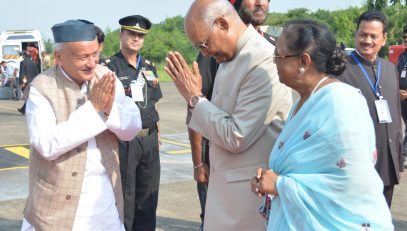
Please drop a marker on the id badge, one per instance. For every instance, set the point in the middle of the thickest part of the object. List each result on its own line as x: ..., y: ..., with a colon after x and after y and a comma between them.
x: 383, y: 112
x: 403, y: 73
x: 137, y: 89
x: 149, y: 75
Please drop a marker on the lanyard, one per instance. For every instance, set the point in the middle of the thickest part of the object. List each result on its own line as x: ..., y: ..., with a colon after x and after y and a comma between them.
x: 375, y: 88
x: 137, y: 66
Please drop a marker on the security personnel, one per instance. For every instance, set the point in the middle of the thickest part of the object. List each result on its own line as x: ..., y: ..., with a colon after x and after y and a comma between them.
x: 139, y: 158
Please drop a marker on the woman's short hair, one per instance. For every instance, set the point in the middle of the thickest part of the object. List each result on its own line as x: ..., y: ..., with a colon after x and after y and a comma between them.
x: 315, y: 39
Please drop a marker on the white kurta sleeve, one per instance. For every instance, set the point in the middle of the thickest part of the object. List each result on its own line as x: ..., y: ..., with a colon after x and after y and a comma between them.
x: 124, y: 119
x: 52, y: 140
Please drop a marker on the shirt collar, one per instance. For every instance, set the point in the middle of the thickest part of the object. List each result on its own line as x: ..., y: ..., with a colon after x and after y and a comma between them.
x: 365, y: 60
x: 120, y: 55
x: 245, y: 37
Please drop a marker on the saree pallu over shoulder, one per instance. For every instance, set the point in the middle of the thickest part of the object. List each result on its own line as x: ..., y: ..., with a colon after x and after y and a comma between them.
x: 325, y: 160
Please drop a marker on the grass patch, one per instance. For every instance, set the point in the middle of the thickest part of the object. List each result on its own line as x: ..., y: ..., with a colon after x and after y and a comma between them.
x: 162, y: 75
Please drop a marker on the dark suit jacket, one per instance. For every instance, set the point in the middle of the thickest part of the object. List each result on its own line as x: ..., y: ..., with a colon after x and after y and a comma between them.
x: 388, y: 136
x: 28, y: 68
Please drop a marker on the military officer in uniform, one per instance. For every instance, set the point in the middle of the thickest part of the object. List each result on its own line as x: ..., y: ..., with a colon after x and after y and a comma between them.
x: 139, y: 158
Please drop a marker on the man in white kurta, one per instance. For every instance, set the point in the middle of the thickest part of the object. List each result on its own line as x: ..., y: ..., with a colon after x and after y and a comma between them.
x: 74, y: 120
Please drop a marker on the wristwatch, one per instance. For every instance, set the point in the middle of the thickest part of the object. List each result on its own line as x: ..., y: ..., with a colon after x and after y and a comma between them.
x: 194, y: 101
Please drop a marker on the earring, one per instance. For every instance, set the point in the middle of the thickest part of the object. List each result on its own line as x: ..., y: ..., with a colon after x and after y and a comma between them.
x: 301, y: 69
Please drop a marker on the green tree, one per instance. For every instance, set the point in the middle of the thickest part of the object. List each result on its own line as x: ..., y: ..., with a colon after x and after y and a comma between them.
x: 370, y: 4
x: 48, y: 46
x: 397, y: 18
x: 298, y: 13
x: 276, y: 19
x: 343, y: 23
x: 168, y: 36
x: 376, y: 4
x: 393, y: 2
x: 380, y: 4
x: 112, y: 43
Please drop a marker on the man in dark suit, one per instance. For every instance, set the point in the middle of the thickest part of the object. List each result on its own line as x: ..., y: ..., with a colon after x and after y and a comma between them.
x: 378, y: 82
x: 28, y: 71
x: 402, y: 71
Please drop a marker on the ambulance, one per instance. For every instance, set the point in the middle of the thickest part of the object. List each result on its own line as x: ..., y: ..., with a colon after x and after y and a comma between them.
x: 13, y: 42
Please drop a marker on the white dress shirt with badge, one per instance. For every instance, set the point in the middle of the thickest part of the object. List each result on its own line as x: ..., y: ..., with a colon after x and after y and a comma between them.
x: 96, y: 208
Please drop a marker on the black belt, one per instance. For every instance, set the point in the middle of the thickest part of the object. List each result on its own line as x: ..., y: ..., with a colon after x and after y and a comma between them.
x: 146, y: 132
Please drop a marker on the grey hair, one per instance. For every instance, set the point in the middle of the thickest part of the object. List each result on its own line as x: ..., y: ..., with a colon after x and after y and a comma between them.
x: 58, y: 46
x: 216, y: 9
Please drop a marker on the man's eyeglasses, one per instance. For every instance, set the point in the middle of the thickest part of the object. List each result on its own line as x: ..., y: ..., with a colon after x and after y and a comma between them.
x: 276, y: 57
x: 204, y: 45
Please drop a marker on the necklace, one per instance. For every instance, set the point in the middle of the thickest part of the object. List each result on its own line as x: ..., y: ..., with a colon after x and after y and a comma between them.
x: 296, y: 109
x: 319, y: 83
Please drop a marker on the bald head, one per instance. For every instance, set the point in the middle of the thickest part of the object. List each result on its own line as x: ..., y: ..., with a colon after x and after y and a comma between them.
x: 214, y: 27
x: 203, y: 13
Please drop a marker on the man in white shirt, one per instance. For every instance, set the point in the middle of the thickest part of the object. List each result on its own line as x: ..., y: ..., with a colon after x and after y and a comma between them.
x: 4, y: 76
x: 13, y: 71
x: 76, y: 112
x: 10, y: 77
x: 8, y: 70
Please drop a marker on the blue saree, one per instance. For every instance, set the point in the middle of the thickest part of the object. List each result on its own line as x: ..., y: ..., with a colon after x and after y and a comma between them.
x: 325, y: 160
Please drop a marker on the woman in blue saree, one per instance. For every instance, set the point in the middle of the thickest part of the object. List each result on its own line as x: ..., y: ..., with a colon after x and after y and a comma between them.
x: 322, y: 174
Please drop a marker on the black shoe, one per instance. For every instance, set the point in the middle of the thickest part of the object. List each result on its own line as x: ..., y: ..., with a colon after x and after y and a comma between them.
x: 21, y: 111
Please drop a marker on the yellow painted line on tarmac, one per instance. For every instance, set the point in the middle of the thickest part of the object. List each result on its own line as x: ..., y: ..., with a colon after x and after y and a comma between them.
x: 183, y: 151
x: 21, y: 151
x: 13, y: 145
x: 175, y: 142
x: 13, y: 168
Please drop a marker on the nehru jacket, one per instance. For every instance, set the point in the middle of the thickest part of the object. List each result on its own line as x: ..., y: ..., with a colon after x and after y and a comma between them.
x: 55, y: 186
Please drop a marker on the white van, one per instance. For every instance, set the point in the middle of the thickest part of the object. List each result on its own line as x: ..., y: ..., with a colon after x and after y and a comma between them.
x: 13, y: 42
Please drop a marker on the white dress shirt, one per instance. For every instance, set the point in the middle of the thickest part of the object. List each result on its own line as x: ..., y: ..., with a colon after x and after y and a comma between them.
x: 96, y: 208
x: 8, y: 72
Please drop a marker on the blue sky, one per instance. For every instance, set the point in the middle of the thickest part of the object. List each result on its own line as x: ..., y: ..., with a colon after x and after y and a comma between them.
x: 42, y: 14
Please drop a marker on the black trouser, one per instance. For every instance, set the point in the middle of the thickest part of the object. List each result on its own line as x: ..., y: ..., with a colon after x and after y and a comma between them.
x: 203, y: 188
x: 388, y: 194
x: 140, y: 174
x: 404, y: 115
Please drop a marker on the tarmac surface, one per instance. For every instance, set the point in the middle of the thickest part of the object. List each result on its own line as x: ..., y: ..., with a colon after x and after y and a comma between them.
x: 178, y: 205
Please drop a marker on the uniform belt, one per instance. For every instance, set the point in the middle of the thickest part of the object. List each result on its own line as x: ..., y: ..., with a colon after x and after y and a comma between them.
x: 146, y: 131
